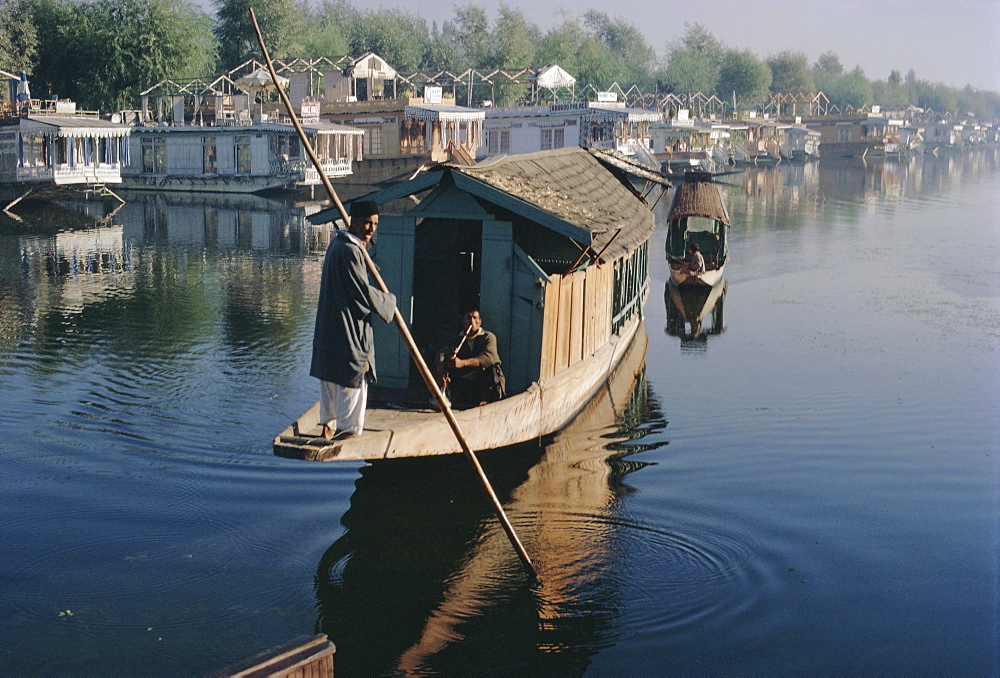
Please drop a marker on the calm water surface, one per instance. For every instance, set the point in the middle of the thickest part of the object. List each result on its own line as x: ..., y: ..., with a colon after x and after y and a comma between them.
x: 810, y: 486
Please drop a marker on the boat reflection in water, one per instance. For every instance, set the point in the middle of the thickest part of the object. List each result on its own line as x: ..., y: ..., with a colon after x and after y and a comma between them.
x: 694, y: 313
x: 424, y: 579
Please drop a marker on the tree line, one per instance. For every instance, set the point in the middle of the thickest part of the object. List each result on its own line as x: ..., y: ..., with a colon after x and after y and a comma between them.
x: 102, y: 53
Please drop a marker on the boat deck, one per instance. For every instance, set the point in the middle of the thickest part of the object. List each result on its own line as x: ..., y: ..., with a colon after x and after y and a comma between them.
x: 405, y: 425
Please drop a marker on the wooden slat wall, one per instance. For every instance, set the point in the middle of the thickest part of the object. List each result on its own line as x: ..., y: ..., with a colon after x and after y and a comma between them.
x: 577, y: 317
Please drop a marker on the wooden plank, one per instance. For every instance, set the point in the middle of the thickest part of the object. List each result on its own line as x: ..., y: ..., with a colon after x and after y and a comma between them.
x: 302, y: 657
x: 550, y: 324
x: 564, y: 323
x: 577, y: 314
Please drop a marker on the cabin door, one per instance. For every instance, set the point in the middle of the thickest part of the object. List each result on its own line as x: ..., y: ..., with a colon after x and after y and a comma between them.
x: 447, y: 270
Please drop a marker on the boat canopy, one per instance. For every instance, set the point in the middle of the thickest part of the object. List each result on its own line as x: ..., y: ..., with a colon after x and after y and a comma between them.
x: 698, y: 199
x: 73, y: 126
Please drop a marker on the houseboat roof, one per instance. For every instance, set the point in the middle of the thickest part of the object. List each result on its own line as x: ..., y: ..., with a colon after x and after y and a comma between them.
x: 435, y: 112
x: 74, y: 126
x: 698, y: 199
x: 567, y: 190
x: 321, y: 127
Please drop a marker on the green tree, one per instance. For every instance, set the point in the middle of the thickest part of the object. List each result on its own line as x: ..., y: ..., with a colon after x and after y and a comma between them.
x: 693, y: 61
x: 790, y: 73
x: 745, y: 75
x: 442, y: 51
x: 852, y: 90
x: 514, y: 47
x: 282, y: 24
x: 327, y: 34
x: 398, y: 37
x: 472, y: 36
x: 19, y: 37
x: 827, y: 71
x: 102, y: 54
x: 632, y: 55
x: 561, y: 45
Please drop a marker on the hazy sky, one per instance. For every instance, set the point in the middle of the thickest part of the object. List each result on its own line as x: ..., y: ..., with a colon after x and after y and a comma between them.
x: 956, y: 42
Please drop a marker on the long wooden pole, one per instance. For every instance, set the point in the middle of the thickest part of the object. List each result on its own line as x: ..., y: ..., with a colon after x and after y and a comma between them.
x: 425, y: 371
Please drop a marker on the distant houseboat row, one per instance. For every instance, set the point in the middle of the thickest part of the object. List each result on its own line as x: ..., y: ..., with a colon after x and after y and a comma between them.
x: 215, y: 136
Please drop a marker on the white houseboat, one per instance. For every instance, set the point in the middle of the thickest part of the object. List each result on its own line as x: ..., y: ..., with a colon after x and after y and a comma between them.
x: 210, y: 136
x: 590, y: 124
x: 45, y: 144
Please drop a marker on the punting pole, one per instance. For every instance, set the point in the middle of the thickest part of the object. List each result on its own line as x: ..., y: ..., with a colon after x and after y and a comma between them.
x: 400, y: 322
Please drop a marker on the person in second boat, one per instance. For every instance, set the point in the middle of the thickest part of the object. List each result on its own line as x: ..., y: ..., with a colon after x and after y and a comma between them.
x: 694, y: 264
x: 472, y: 369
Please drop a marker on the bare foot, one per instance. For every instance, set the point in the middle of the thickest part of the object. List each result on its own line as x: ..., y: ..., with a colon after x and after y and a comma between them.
x: 344, y: 435
x: 328, y: 432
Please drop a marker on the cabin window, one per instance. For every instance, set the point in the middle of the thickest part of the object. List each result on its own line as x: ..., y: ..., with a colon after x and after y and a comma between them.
x: 843, y: 133
x: 154, y: 156
x: 498, y: 140
x: 553, y: 138
x: 209, y: 156
x: 243, y: 155
x: 373, y: 141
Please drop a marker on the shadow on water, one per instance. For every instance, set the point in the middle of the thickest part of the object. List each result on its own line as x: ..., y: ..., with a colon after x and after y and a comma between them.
x: 425, y: 581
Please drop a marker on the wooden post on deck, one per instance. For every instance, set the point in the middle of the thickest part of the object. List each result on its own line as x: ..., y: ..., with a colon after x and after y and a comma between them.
x: 425, y: 371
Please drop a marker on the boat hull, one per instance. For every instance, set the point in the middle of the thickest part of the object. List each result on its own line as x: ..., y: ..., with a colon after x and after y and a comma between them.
x: 545, y: 407
x: 680, y: 277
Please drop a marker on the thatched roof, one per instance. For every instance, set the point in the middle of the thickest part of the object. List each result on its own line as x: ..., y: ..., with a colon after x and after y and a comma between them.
x: 573, y: 186
x: 698, y: 199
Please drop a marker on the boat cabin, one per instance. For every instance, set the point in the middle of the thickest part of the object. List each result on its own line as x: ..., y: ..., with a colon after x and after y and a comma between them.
x: 52, y: 143
x: 698, y: 215
x: 552, y: 247
x: 608, y: 125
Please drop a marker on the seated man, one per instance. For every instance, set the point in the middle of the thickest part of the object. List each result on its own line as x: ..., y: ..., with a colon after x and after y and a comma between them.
x: 695, y: 262
x: 473, y: 373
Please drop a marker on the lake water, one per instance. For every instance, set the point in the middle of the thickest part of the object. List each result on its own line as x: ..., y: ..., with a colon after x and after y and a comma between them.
x: 808, y: 487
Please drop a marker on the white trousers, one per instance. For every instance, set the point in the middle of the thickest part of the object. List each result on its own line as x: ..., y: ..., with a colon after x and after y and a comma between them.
x: 343, y: 408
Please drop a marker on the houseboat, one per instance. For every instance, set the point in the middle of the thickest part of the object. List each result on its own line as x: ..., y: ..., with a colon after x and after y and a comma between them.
x: 683, y: 143
x: 590, y: 124
x: 697, y: 216
x: 552, y: 247
x: 799, y: 142
x: 212, y: 137
x: 868, y: 135
x: 50, y: 144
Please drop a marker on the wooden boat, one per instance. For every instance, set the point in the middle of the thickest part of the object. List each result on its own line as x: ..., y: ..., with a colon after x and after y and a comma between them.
x: 553, y: 249
x: 697, y: 215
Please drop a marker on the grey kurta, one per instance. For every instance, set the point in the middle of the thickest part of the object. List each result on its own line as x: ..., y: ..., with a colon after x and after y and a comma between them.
x: 343, y: 346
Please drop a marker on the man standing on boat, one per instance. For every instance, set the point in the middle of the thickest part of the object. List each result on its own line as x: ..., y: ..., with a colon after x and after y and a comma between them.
x: 475, y: 377
x: 343, y: 356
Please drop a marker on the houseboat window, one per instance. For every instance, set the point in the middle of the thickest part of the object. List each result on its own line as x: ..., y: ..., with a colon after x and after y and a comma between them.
x: 498, y: 140
x: 243, y: 155
x: 154, y: 156
x: 373, y: 140
x: 843, y: 133
x: 209, y: 155
x: 546, y: 139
